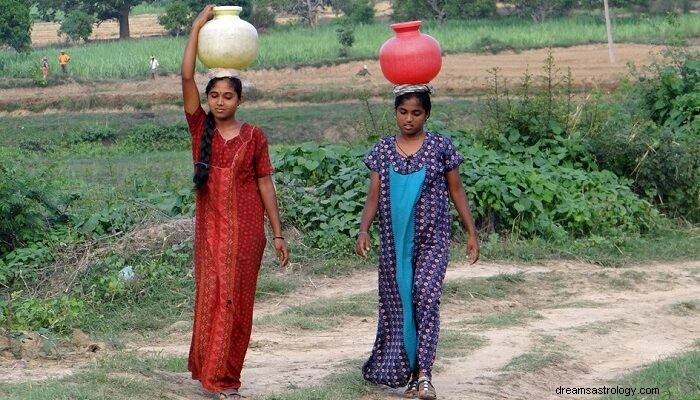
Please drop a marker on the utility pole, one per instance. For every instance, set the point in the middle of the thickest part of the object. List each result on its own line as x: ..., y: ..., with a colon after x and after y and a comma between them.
x: 608, y: 26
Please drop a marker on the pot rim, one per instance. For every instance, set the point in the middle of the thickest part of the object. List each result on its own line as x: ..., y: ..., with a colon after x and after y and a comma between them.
x: 228, y: 8
x: 406, y: 26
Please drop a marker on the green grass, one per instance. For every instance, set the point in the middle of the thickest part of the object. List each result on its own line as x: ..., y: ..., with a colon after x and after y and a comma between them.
x: 343, y: 123
x: 345, y: 384
x: 625, y: 280
x: 686, y: 308
x: 502, y: 319
x: 669, y: 243
x: 120, y: 377
x: 324, y: 313
x: 456, y: 343
x: 598, y: 327
x: 495, y: 287
x: 678, y: 378
x: 534, y: 361
x: 289, y: 46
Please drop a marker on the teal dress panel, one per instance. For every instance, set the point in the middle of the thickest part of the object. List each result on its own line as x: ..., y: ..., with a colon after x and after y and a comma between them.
x: 404, y: 193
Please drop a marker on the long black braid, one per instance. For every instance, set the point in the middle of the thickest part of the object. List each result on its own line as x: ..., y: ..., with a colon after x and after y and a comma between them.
x: 203, y: 164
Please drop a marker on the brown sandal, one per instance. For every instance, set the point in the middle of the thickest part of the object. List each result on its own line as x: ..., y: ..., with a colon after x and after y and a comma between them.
x: 426, y: 391
x: 231, y: 395
x: 411, y: 390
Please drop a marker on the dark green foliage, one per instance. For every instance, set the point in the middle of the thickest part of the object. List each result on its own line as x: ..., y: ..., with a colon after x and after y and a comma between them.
x: 360, y: 12
x: 176, y: 18
x: 77, y: 25
x: 650, y: 133
x: 470, y: 9
x: 346, y: 37
x: 15, y: 24
x: 152, y: 137
x: 534, y: 123
x: 30, y: 201
x: 540, y: 10
x: 262, y: 17
x: 101, y: 11
x: 95, y: 134
x: 406, y: 10
x: 323, y: 187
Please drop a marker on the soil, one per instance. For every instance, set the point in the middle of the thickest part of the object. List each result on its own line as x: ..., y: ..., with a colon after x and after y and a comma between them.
x: 599, y: 323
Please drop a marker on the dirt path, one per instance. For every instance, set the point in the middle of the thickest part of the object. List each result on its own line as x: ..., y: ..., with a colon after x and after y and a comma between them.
x: 602, y: 334
x: 597, y: 323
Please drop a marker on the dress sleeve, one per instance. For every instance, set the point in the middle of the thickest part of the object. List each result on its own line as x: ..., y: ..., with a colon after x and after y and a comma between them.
x: 451, y: 156
x: 372, y: 159
x: 195, y: 122
x: 262, y: 164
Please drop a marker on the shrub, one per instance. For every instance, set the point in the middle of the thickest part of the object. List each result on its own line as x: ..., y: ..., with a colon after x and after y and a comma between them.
x: 30, y: 201
x: 77, y: 25
x: 650, y: 133
x: 176, y: 18
x: 154, y: 137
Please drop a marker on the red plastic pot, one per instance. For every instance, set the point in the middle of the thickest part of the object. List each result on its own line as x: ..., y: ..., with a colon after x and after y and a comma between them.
x: 410, y: 57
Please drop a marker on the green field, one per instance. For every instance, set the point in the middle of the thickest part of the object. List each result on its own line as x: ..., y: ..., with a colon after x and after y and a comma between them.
x: 290, y: 46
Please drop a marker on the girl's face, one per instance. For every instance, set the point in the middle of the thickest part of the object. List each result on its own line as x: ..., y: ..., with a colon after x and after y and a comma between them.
x: 410, y: 116
x: 223, y: 100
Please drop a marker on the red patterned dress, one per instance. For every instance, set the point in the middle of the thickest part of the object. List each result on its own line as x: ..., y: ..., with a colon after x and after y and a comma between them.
x: 228, y: 246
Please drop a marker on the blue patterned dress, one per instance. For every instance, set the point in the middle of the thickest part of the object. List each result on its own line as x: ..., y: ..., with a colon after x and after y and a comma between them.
x: 414, y: 230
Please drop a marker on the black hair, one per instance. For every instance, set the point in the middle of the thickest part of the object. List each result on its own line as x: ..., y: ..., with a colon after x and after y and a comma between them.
x: 423, y: 98
x: 201, y: 167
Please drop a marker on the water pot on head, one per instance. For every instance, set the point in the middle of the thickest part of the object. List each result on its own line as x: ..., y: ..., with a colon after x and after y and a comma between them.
x: 227, y: 41
x: 410, y: 57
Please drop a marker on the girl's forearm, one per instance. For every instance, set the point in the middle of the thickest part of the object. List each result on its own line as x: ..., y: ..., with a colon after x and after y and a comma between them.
x: 269, y: 199
x: 460, y: 201
x: 371, y: 204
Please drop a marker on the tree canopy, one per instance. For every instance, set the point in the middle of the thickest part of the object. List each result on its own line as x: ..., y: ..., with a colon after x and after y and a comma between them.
x: 102, y: 11
x: 15, y: 24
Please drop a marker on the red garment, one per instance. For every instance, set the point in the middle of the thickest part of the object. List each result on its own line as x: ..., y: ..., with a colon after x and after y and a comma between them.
x: 228, y: 247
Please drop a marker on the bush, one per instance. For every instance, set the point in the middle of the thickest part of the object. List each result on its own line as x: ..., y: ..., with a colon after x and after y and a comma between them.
x: 30, y: 201
x: 77, y: 25
x: 539, y: 197
x: 650, y: 133
x: 151, y: 137
x: 176, y: 18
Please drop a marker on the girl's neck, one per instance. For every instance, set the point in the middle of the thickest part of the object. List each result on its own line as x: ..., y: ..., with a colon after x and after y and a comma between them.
x: 417, y: 137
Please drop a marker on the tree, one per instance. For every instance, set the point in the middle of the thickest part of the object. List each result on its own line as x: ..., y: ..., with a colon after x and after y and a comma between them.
x: 176, y: 18
x: 442, y: 10
x: 15, y: 24
x: 307, y: 10
x: 102, y: 10
x: 540, y: 10
x: 77, y: 25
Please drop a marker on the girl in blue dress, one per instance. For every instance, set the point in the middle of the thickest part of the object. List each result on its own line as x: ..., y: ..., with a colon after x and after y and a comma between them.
x: 412, y: 175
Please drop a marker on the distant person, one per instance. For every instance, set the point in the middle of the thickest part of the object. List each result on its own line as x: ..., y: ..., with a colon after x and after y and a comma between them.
x: 63, y: 60
x: 154, y: 67
x: 363, y: 71
x: 44, y: 67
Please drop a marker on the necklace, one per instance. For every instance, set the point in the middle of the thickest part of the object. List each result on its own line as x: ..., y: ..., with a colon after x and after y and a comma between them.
x: 404, y: 152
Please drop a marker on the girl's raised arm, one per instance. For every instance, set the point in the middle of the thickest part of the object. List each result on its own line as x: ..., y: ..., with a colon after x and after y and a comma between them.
x: 190, y: 93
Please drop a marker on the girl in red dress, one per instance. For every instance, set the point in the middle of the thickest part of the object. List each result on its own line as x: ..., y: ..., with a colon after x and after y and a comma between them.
x: 234, y: 190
